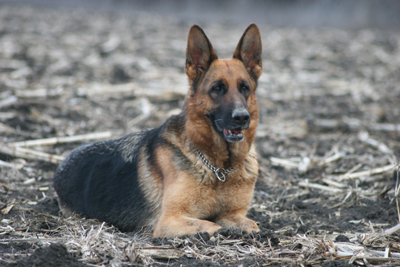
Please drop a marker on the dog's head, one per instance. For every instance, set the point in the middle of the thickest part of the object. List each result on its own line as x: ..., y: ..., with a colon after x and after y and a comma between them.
x: 222, y: 94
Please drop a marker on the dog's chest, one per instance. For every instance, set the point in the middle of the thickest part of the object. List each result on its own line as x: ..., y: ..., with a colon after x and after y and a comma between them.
x: 218, y: 197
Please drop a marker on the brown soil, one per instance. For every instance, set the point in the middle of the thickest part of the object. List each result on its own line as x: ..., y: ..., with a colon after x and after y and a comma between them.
x: 329, y: 103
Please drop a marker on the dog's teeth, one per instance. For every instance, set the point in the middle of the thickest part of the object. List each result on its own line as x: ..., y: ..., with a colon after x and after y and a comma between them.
x: 233, y: 132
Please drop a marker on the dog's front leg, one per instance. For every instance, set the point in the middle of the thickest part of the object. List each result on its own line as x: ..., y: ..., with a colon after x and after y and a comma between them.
x: 238, y: 220
x: 185, y: 199
x: 179, y: 225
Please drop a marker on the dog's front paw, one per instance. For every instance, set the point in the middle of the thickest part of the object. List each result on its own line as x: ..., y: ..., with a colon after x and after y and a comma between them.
x: 183, y: 226
x: 249, y: 226
x: 240, y: 222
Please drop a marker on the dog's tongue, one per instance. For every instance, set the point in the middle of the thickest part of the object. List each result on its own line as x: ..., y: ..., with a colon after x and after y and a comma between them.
x: 226, y: 131
x: 236, y: 131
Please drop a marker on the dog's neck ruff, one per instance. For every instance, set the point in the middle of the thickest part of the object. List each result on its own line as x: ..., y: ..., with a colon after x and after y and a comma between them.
x: 219, y: 172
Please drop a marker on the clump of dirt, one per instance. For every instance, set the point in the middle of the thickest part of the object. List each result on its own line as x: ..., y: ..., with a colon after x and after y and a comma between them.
x: 337, y: 264
x: 55, y: 255
x: 49, y: 206
x: 342, y: 238
x: 13, y: 247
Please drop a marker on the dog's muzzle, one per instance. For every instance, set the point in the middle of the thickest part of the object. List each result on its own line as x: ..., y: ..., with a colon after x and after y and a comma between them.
x: 233, y: 131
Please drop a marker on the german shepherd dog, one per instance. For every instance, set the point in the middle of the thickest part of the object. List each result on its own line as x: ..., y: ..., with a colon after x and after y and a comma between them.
x: 196, y: 172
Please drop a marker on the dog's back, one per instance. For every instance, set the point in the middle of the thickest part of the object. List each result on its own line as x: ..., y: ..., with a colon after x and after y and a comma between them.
x: 100, y: 180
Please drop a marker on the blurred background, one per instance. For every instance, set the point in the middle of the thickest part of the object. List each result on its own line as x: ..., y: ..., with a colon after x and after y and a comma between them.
x: 301, y: 13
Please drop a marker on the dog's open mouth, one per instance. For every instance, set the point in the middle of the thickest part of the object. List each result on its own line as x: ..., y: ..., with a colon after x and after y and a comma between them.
x: 233, y: 135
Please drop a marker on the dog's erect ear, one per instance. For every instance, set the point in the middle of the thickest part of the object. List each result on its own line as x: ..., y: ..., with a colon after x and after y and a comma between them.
x: 249, y: 51
x: 199, y: 53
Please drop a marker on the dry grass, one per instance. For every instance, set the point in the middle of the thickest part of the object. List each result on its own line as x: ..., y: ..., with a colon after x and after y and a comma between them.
x: 97, y: 245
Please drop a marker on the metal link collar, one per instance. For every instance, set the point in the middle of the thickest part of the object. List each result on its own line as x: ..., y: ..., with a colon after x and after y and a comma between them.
x: 219, y: 172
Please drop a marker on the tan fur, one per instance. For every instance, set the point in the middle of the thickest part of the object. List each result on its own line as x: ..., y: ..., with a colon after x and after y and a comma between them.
x: 188, y: 200
x: 152, y: 190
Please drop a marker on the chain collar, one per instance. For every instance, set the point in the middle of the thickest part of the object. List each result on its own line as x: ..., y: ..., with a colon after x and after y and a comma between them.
x: 219, y: 172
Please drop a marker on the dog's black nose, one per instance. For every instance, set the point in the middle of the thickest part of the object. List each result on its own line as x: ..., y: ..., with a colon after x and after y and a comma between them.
x: 240, y: 116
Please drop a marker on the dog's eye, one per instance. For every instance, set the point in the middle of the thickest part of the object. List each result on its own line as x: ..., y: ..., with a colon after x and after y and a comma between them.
x: 245, y: 89
x: 217, y: 89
